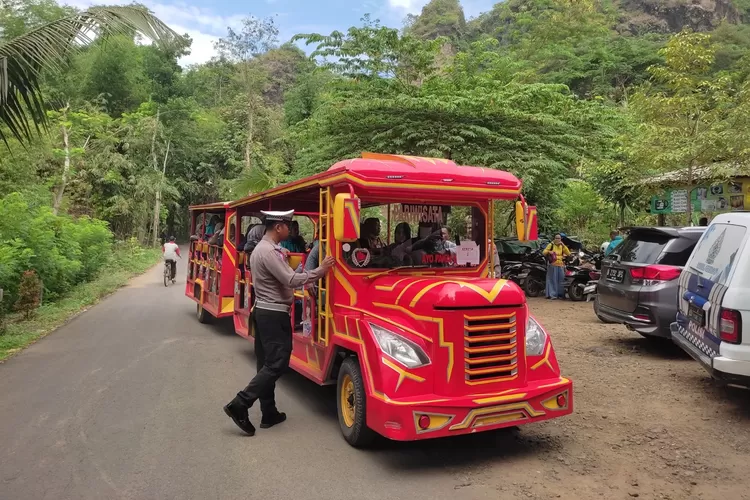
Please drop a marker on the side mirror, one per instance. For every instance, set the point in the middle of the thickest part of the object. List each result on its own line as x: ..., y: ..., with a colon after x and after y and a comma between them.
x: 526, y: 222
x: 346, y: 208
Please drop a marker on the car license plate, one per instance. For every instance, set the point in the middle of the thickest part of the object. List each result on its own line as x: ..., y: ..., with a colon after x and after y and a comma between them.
x: 696, y: 314
x: 616, y: 275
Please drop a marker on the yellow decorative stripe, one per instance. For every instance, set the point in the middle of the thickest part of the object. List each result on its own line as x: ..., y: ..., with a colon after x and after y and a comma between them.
x: 491, y: 380
x: 347, y: 286
x: 398, y: 299
x: 390, y: 288
x: 496, y: 411
x: 486, y: 371
x: 545, y: 359
x: 402, y: 374
x: 489, y: 296
x: 500, y: 399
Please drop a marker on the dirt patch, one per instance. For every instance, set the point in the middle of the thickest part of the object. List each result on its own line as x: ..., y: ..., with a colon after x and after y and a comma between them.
x: 648, y: 421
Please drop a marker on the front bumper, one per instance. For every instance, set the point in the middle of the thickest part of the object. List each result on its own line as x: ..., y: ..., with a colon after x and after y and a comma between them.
x: 721, y: 368
x: 399, y: 420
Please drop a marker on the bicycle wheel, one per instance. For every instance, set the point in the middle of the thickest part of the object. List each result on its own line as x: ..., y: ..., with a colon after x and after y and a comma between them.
x: 166, y: 274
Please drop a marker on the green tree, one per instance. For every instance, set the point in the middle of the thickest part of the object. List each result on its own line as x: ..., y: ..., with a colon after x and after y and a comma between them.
x: 25, y: 57
x: 687, y: 113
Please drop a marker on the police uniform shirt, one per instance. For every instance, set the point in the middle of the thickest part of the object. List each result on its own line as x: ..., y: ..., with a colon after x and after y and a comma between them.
x: 273, y: 279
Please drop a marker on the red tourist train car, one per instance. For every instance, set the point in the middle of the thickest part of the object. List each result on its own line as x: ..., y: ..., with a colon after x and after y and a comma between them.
x: 420, y: 339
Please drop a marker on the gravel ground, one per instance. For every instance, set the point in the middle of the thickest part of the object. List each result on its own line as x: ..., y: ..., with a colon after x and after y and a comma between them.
x: 648, y: 422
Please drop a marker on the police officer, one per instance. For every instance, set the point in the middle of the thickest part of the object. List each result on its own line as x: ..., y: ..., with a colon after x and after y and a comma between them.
x: 274, y: 282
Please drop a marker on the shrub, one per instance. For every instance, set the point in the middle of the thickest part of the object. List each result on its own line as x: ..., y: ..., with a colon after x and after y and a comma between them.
x: 63, y: 251
x: 29, y: 294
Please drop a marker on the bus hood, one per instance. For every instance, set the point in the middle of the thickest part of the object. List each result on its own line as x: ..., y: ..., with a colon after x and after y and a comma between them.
x: 446, y: 293
x: 475, y: 327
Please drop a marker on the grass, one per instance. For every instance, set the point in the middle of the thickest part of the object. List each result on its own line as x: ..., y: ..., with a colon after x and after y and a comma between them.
x: 127, y: 261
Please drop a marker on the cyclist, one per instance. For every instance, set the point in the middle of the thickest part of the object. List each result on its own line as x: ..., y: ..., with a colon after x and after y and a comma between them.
x: 171, y: 251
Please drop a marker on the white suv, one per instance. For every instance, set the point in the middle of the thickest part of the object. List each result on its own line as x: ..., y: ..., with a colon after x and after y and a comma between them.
x: 713, y: 319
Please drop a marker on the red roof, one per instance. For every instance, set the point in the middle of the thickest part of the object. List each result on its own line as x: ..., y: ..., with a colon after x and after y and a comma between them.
x: 402, y: 175
x: 382, y: 167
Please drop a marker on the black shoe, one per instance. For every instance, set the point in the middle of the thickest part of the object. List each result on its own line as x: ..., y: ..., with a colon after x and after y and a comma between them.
x: 239, y: 416
x: 267, y: 422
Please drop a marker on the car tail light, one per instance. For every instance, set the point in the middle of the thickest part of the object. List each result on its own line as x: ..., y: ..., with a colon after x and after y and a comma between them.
x: 730, y: 326
x: 655, y: 273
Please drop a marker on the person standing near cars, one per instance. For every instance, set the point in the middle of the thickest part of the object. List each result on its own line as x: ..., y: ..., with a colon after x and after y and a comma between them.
x: 274, y: 282
x: 616, y: 239
x: 556, y: 253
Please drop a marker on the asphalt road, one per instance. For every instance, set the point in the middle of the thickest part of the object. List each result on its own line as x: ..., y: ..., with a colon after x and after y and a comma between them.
x: 125, y: 401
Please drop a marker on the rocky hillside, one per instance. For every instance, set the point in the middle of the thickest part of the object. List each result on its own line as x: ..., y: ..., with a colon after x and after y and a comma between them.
x: 637, y: 17
x: 670, y: 16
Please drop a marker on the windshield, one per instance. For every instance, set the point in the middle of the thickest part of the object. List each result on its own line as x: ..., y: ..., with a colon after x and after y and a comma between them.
x: 410, y: 235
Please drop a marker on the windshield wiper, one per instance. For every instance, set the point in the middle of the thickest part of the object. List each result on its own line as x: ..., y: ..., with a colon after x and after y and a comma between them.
x: 389, y: 271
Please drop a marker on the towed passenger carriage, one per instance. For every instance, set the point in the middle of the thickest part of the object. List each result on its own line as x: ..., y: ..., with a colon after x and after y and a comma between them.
x: 421, y: 342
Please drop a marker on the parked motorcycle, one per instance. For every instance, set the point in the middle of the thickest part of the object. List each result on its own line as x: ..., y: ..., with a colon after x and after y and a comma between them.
x: 533, y: 276
x: 589, y: 291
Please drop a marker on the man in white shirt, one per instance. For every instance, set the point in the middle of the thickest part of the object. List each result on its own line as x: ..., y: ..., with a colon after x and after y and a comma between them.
x: 171, y: 251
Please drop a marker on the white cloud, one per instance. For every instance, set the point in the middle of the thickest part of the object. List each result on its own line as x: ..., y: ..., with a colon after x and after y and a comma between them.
x: 408, y: 6
x: 202, y: 25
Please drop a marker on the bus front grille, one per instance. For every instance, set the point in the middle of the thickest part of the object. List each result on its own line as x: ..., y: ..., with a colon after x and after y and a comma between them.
x: 490, y: 347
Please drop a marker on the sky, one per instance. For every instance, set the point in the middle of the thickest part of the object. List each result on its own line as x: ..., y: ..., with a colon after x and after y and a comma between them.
x: 207, y: 20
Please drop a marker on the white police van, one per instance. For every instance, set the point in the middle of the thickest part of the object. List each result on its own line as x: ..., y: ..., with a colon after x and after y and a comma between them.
x: 713, y: 320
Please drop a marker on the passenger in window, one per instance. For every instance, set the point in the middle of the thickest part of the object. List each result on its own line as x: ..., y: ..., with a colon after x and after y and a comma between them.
x: 295, y: 243
x: 254, y: 235
x: 446, y: 245
x: 371, y: 234
x: 217, y: 235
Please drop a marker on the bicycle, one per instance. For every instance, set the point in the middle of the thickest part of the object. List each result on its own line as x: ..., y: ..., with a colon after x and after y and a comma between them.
x: 168, y: 273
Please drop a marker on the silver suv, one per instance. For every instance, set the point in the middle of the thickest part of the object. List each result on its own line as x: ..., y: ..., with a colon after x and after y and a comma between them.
x: 638, y: 286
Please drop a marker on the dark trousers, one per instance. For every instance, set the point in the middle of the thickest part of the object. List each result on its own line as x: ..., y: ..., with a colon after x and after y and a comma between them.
x: 173, y: 268
x: 273, y: 349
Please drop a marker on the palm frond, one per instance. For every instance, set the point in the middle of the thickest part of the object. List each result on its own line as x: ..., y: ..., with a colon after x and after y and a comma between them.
x: 23, y: 59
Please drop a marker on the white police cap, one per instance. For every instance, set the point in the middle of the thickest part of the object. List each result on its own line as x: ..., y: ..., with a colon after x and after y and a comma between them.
x: 278, y: 215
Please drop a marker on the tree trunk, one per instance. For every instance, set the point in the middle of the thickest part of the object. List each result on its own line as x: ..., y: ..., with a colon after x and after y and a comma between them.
x: 689, y: 194
x: 250, y: 131
x: 66, y: 166
x: 622, y: 214
x: 157, y: 204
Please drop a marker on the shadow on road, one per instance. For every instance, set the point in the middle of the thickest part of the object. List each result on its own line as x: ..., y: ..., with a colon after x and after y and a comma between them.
x: 652, y: 347
x: 474, y: 449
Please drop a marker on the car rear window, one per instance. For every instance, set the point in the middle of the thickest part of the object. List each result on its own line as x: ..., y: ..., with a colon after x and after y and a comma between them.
x: 717, y: 251
x: 677, y: 251
x: 642, y: 247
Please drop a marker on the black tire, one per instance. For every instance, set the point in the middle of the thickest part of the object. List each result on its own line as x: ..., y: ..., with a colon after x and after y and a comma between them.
x: 203, y: 315
x: 166, y: 275
x: 533, y: 288
x: 575, y: 292
x: 354, y: 427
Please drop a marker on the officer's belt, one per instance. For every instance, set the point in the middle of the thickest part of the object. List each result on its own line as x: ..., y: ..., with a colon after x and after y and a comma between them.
x: 270, y: 306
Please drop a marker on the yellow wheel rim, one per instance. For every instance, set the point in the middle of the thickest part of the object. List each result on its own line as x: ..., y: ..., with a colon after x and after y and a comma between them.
x: 348, y: 407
